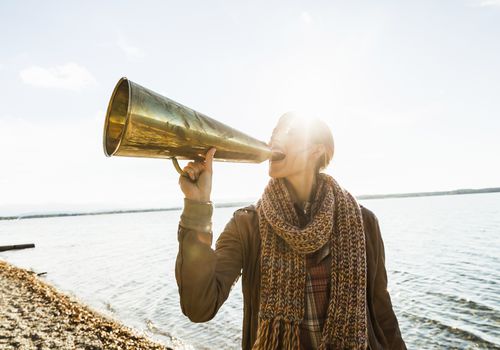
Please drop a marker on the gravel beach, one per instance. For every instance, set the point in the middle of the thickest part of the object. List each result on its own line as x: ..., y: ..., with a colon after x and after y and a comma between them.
x: 34, y: 315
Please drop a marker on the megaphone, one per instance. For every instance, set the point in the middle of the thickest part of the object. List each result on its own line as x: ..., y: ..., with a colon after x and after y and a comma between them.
x: 142, y: 123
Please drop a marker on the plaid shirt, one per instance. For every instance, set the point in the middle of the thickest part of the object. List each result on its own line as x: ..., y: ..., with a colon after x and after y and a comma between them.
x: 317, y: 289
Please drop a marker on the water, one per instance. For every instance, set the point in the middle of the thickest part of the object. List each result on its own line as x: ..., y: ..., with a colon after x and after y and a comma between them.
x: 442, y: 257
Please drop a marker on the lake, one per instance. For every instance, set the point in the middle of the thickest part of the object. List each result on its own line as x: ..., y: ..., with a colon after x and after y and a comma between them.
x: 442, y: 259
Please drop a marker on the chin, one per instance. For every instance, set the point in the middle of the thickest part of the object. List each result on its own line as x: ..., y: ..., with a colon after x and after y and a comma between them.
x: 275, y: 173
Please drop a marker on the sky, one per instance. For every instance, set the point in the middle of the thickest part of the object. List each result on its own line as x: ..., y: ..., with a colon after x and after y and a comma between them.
x: 410, y: 90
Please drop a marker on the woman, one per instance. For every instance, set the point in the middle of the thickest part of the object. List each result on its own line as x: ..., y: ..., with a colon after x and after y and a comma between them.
x: 311, y: 258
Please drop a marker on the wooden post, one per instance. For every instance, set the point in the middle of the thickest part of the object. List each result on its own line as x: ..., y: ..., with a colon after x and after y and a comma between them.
x: 16, y: 246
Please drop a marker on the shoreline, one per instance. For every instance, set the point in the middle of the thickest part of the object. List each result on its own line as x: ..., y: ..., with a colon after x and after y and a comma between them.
x: 35, y: 315
x: 243, y: 203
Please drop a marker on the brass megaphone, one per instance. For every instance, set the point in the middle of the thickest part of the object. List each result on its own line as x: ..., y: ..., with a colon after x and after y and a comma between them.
x: 142, y: 123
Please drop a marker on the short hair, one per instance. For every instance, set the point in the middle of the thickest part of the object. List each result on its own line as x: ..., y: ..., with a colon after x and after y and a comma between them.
x: 321, y: 134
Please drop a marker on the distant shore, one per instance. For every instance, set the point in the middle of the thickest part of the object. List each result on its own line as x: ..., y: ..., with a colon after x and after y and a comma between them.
x: 436, y: 193
x: 34, y: 315
x: 236, y: 204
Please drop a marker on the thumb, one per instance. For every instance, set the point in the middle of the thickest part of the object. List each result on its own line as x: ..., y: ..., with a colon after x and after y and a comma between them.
x: 209, y: 158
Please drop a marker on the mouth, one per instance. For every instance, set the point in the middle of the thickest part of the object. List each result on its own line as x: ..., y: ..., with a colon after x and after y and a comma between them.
x: 277, y: 155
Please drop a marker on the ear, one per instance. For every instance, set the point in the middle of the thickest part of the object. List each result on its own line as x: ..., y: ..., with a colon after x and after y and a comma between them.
x: 318, y: 151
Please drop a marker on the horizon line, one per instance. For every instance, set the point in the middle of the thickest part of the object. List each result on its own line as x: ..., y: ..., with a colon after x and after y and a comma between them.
x: 240, y: 203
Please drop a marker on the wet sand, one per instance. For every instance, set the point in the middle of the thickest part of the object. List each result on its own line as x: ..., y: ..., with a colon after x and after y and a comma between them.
x: 34, y: 315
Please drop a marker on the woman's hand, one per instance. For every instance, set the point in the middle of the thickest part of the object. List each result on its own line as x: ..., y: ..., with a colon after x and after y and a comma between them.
x: 199, y: 184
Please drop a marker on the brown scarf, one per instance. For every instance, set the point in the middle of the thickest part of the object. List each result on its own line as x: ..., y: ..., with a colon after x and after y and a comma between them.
x: 336, y: 218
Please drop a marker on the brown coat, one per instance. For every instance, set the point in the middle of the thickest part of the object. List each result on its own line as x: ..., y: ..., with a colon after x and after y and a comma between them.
x: 205, y: 276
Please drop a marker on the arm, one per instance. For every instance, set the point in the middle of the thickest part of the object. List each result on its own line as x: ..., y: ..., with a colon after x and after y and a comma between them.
x: 205, y: 276
x: 382, y: 301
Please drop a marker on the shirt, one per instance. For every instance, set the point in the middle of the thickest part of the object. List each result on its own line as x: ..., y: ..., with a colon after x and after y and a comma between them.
x: 317, y: 290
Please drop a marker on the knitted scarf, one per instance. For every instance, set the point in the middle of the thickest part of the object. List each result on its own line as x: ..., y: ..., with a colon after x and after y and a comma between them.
x: 336, y: 217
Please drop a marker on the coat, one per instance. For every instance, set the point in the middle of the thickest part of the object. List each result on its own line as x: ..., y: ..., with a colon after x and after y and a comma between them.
x: 205, y: 276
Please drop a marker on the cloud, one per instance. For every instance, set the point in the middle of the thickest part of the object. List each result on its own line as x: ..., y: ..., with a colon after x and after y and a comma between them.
x: 306, y: 17
x: 70, y: 76
x: 486, y: 3
x: 131, y: 51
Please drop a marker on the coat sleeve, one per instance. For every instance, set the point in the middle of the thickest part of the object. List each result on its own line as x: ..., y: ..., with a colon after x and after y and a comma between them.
x: 205, y: 276
x: 384, y: 312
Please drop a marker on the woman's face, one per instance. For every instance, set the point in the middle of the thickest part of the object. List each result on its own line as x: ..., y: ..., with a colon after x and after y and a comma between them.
x: 292, y: 137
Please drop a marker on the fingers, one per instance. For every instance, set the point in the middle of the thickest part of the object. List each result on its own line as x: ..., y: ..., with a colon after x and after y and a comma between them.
x: 209, y: 158
x: 194, y: 169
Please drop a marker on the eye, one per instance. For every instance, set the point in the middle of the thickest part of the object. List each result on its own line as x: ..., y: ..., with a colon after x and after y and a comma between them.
x: 284, y: 131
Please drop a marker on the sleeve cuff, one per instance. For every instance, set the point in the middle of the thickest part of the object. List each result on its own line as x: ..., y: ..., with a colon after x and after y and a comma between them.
x: 197, y: 215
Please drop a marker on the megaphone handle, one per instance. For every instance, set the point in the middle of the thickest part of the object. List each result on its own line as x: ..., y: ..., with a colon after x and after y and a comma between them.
x: 178, y: 168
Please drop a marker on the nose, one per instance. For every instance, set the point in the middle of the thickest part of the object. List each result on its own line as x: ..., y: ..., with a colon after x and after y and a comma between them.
x: 274, y: 139
x: 275, y: 145
x: 272, y: 143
